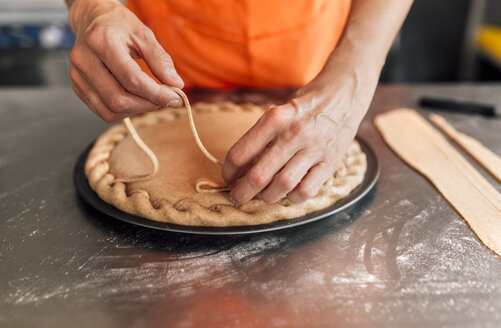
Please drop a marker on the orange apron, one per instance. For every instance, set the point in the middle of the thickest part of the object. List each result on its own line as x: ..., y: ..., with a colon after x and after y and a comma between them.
x: 251, y: 43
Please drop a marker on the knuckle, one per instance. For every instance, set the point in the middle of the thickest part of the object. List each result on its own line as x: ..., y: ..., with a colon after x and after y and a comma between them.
x: 257, y: 179
x: 116, y: 104
x: 327, y: 166
x: 285, y: 181
x: 131, y: 82
x: 305, y: 193
x: 76, y: 57
x: 297, y: 130
x: 235, y: 157
x: 148, y: 34
x: 108, y: 117
x: 164, y: 58
x: 94, y: 38
x: 159, y: 52
x: 276, y: 115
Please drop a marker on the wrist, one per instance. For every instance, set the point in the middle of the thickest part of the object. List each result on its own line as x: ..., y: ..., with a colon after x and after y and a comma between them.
x: 81, y: 13
x: 348, y: 79
x: 343, y: 93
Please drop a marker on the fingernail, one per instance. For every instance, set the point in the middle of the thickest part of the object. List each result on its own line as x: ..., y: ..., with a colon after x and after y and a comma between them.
x: 179, y: 81
x: 175, y: 78
x: 174, y: 103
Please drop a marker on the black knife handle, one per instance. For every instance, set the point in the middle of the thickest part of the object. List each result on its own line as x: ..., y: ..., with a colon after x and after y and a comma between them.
x: 458, y: 106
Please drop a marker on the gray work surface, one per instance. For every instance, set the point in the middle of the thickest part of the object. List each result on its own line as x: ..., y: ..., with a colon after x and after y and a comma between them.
x: 402, y: 257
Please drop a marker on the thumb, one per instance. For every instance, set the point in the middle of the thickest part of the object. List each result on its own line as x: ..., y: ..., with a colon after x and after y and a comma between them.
x: 159, y: 62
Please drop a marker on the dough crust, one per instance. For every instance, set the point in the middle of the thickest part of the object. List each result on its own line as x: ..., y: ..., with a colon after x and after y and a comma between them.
x: 483, y: 155
x: 171, y: 195
x: 426, y: 150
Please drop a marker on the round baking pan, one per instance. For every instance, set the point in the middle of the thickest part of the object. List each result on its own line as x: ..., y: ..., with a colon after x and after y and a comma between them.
x: 85, y: 191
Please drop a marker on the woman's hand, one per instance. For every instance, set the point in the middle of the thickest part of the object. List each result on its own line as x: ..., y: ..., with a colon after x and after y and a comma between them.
x: 294, y: 148
x: 105, y: 76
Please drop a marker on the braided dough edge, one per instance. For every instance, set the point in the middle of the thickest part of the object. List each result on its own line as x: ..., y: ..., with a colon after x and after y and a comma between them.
x: 347, y: 177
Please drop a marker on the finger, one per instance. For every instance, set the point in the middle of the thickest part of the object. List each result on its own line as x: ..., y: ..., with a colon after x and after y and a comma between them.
x: 289, y: 177
x: 262, y: 173
x: 252, y: 143
x: 128, y: 73
x: 242, y: 171
x: 114, y: 96
x: 159, y: 61
x: 90, y: 97
x: 311, y: 183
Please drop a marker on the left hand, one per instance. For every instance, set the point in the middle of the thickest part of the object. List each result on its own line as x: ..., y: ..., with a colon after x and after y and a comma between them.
x: 294, y: 148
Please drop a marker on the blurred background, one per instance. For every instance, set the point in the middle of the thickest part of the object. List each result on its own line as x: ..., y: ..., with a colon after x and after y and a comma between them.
x: 441, y: 41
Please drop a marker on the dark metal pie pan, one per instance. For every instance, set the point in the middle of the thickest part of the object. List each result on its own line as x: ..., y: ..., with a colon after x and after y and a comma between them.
x: 85, y: 192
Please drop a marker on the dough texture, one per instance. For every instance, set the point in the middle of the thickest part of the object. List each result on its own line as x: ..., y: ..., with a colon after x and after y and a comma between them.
x: 202, y: 185
x: 170, y: 196
x: 483, y: 155
x: 426, y: 150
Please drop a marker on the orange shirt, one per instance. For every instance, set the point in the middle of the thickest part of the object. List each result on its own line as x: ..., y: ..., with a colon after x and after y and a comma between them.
x: 250, y: 43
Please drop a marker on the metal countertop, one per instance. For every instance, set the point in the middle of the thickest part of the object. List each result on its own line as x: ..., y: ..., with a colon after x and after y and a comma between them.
x: 402, y: 257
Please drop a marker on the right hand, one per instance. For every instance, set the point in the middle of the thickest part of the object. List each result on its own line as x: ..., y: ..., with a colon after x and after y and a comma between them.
x: 105, y: 76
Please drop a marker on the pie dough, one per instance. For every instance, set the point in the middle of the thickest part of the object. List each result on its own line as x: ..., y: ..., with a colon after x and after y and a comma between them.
x: 426, y: 150
x: 479, y: 152
x: 171, y: 195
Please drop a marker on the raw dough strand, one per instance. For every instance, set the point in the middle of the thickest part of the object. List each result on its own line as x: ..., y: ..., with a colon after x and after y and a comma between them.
x: 193, y: 128
x: 425, y: 149
x: 206, y: 186
x: 479, y: 152
x: 140, y: 143
x: 201, y: 185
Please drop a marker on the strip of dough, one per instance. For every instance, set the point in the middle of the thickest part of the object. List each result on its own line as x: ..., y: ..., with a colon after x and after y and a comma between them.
x: 193, y: 128
x: 483, y: 155
x: 140, y: 143
x: 202, y: 185
x: 426, y: 150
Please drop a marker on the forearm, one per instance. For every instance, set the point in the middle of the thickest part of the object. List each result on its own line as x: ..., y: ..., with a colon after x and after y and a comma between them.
x: 361, y: 52
x: 369, y: 33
